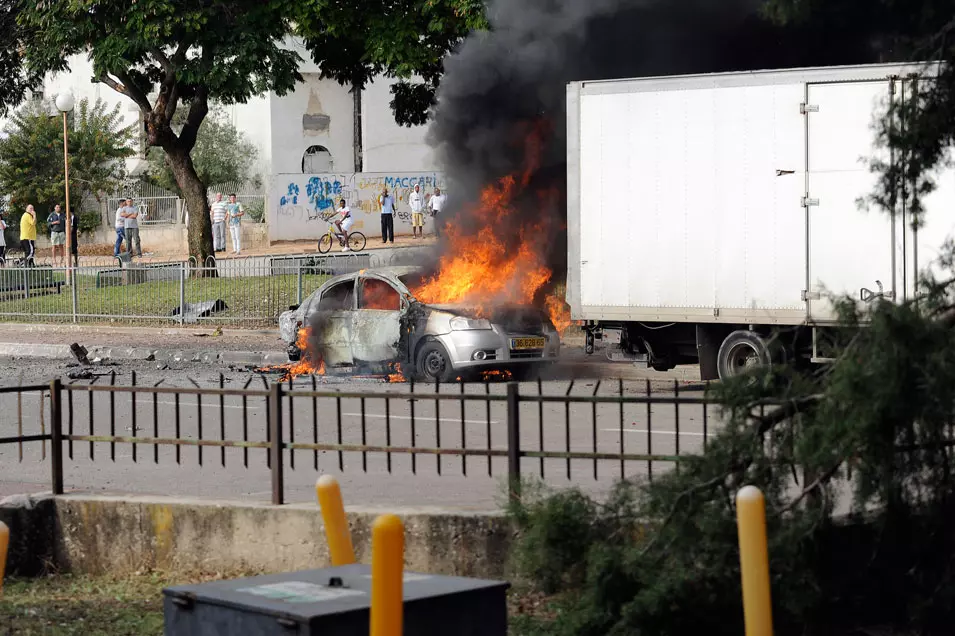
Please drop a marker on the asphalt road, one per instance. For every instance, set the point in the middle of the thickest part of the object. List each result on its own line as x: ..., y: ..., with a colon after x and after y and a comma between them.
x: 372, y: 478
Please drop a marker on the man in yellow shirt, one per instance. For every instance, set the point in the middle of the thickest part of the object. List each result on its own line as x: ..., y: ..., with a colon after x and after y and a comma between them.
x: 28, y: 234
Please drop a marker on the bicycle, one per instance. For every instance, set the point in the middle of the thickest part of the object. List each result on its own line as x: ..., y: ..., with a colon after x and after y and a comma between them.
x: 356, y: 241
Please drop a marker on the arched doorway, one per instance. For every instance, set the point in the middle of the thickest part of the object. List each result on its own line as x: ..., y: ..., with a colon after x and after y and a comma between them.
x: 317, y: 160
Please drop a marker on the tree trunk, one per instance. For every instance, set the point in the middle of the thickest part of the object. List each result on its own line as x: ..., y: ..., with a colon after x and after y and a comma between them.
x: 197, y: 202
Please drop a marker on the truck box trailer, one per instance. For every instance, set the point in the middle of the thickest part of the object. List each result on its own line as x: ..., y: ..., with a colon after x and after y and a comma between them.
x: 708, y: 212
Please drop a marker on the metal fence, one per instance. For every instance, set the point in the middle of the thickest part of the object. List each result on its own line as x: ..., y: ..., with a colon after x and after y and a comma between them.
x: 509, y: 430
x: 250, y: 291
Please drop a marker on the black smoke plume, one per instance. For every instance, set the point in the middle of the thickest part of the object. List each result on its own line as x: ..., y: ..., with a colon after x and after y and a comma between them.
x: 501, y: 83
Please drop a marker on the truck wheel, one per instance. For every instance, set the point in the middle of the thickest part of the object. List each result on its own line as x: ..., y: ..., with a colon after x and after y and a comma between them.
x: 741, y: 352
x: 433, y: 364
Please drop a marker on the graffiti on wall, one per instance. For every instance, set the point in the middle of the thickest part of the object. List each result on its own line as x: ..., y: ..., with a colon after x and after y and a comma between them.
x: 301, y: 206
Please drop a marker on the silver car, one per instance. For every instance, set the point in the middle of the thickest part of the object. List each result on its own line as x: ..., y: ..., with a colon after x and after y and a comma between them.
x: 371, y: 320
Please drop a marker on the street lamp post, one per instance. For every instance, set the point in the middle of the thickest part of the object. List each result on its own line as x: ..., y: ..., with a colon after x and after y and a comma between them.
x: 65, y: 103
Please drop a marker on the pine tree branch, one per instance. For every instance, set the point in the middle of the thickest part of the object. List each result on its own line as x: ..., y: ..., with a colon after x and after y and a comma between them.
x: 813, y: 486
x: 712, y: 483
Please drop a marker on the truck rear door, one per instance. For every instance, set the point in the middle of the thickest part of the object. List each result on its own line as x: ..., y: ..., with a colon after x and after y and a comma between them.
x: 853, y: 246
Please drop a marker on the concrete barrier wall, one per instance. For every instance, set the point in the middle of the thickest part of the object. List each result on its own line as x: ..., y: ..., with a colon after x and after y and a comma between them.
x: 96, y: 534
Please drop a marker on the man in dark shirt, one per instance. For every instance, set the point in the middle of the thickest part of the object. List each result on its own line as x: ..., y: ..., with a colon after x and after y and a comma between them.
x: 74, y: 235
x: 57, y: 224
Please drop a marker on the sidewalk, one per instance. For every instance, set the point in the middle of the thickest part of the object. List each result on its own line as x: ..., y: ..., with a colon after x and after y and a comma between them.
x: 25, y: 336
x: 96, y: 254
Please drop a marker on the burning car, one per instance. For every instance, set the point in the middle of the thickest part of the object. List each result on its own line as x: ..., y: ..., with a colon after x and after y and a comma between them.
x: 371, y: 319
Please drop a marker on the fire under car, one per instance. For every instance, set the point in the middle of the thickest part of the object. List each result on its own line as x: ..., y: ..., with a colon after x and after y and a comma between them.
x: 371, y: 320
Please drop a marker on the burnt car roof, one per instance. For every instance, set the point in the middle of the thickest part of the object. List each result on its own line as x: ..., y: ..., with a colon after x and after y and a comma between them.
x: 390, y: 273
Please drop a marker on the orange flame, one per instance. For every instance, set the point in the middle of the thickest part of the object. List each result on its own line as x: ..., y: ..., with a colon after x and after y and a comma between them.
x: 559, y: 313
x: 496, y: 374
x: 305, y: 366
x: 480, y: 268
x: 397, y: 376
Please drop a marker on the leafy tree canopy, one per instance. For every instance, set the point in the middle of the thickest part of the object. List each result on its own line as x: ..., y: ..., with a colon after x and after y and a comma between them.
x: 168, y: 54
x: 222, y: 154
x: 31, y: 156
x: 408, y: 39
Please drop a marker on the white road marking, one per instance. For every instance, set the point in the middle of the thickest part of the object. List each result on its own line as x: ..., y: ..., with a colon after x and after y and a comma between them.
x: 427, y: 418
x: 645, y: 431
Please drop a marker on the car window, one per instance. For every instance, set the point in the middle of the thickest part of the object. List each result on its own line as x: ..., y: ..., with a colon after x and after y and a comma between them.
x: 377, y: 294
x: 337, y: 297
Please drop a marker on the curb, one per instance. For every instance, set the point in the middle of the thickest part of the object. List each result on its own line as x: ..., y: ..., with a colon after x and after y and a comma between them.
x: 60, y: 352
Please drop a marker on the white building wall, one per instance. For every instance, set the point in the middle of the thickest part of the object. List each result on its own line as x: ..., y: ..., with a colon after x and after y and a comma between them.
x: 389, y: 147
x: 317, y: 113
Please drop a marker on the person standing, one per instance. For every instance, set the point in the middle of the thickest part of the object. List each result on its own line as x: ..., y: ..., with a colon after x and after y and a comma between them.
x: 56, y: 221
x: 74, y: 242
x: 28, y: 235
x: 3, y: 241
x: 416, y: 201
x: 387, y: 203
x: 218, y: 213
x: 436, y: 203
x: 131, y: 228
x: 120, y: 226
x: 236, y: 212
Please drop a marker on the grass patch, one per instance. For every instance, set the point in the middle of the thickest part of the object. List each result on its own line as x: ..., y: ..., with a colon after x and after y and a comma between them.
x: 65, y: 605
x: 68, y: 605
x: 251, y: 299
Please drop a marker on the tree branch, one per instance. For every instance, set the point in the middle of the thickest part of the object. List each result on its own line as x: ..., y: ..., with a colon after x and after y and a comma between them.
x: 826, y: 476
x: 125, y: 88
x: 197, y: 113
x: 713, y: 483
x: 163, y: 61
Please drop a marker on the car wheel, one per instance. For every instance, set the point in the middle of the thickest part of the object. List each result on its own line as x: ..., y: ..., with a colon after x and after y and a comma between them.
x: 433, y: 364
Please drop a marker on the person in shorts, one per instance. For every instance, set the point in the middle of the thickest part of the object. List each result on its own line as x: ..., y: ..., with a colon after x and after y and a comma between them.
x: 344, y: 224
x: 416, y: 202
x: 56, y: 221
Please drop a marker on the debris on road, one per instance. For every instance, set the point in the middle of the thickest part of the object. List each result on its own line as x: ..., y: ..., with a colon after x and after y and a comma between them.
x: 192, y: 312
x: 80, y: 353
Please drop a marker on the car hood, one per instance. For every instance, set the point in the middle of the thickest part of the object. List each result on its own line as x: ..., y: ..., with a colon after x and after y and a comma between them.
x: 523, y: 318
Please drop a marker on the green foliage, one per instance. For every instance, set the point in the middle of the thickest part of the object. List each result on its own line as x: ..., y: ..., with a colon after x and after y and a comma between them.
x: 407, y: 39
x: 31, y: 156
x: 255, y: 211
x: 662, y: 558
x: 222, y: 153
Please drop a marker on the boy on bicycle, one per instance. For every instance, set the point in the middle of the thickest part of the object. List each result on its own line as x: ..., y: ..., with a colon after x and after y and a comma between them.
x: 343, y: 224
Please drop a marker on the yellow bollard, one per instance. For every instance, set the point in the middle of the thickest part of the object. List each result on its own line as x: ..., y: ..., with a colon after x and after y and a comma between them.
x: 387, y: 576
x: 4, y: 545
x: 754, y: 561
x: 336, y: 525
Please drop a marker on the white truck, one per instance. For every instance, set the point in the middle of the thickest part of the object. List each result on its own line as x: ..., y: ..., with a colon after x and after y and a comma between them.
x: 708, y: 212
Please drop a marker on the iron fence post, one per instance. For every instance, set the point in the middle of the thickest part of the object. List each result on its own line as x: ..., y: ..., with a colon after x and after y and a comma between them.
x: 56, y: 428
x: 182, y: 294
x: 275, y: 426
x: 513, y: 441
x: 298, y: 297
x: 71, y: 274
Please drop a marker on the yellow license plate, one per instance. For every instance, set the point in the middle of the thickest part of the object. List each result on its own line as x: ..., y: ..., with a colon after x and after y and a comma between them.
x: 518, y: 344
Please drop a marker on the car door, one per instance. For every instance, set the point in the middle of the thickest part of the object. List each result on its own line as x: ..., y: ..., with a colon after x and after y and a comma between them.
x: 330, y: 319
x: 376, y: 324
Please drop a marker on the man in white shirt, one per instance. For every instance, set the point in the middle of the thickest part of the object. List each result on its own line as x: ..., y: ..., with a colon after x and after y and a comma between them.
x: 120, y: 226
x: 436, y: 203
x: 416, y: 201
x: 219, y: 213
x: 131, y: 228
